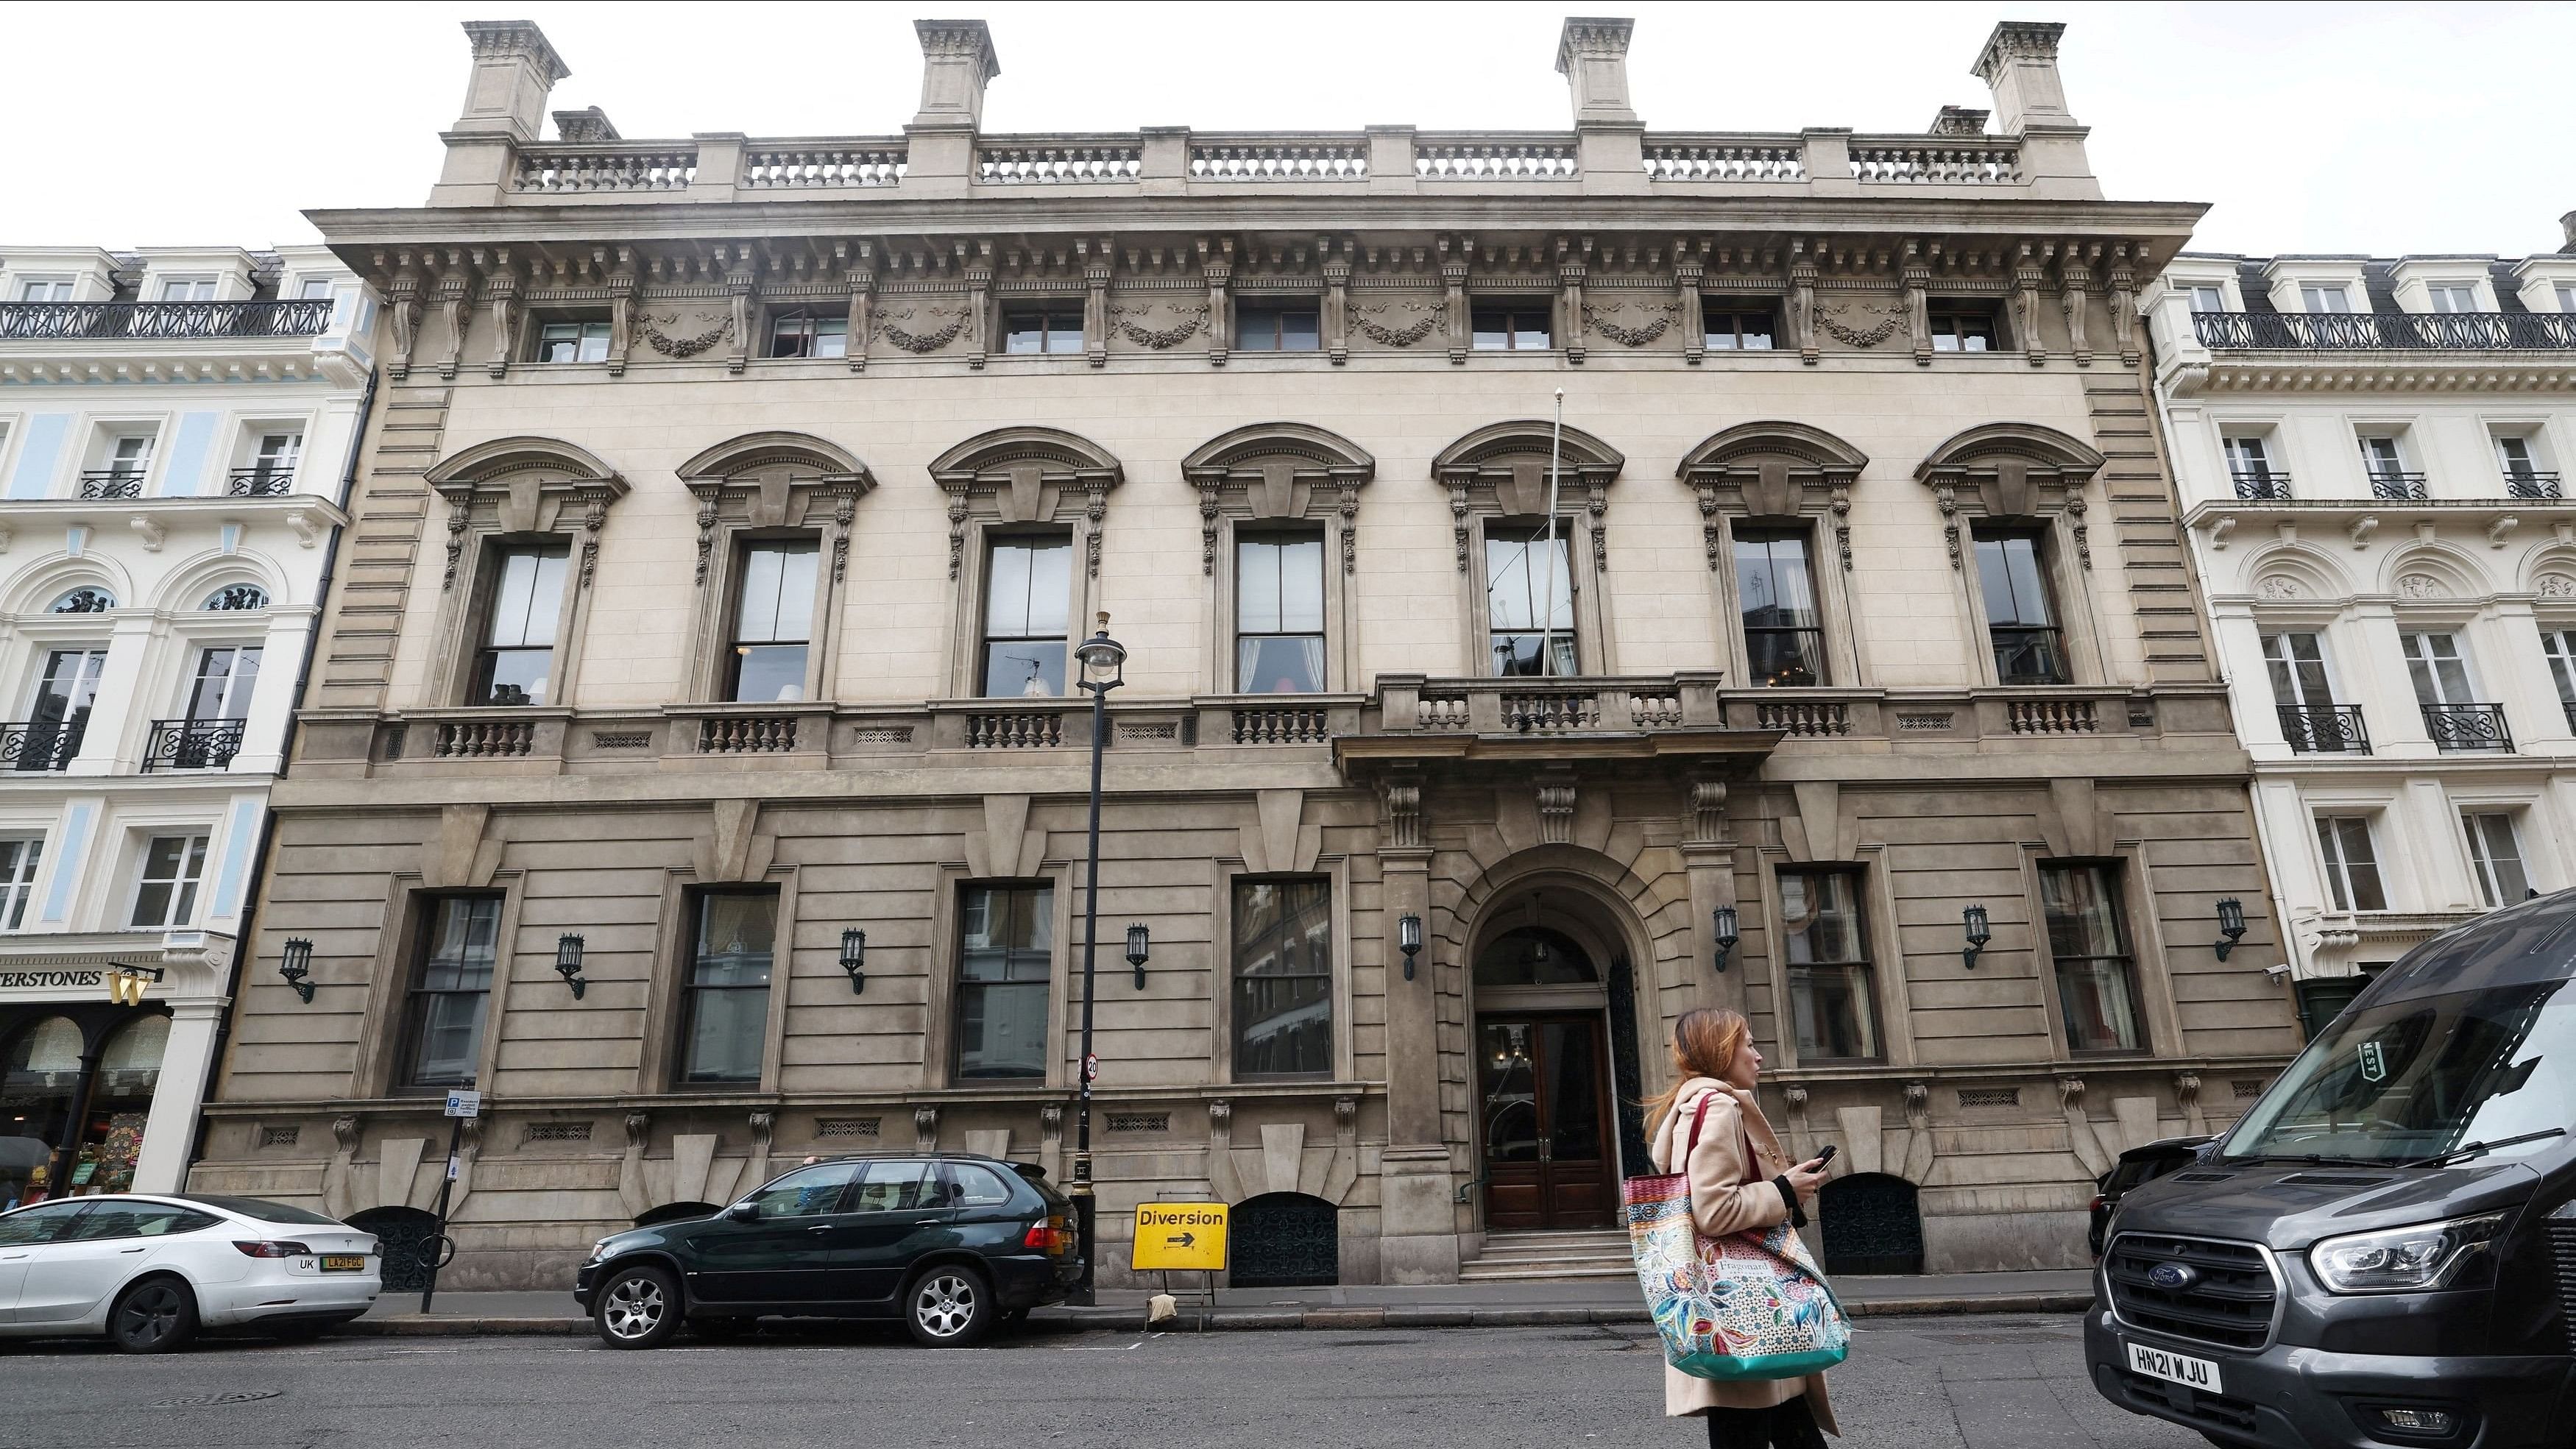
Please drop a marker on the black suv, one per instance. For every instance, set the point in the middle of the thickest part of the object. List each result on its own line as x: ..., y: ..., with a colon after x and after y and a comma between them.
x: 951, y: 1244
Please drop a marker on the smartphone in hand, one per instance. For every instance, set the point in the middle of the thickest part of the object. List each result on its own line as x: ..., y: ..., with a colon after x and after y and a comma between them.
x: 1827, y: 1155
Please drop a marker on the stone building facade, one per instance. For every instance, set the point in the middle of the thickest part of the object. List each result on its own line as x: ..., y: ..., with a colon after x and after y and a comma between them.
x: 176, y: 428
x: 690, y: 764
x: 2370, y: 453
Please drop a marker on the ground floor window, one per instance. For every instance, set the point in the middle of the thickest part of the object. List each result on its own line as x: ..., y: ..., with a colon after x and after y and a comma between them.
x: 1007, y: 954
x: 1283, y: 978
x: 727, y: 1007
x: 2088, y: 938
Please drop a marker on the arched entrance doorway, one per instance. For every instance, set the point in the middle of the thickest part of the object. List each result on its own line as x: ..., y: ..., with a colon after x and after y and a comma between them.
x: 1548, y: 1123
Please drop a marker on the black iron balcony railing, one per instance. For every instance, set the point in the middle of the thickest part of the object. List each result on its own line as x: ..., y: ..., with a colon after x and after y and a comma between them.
x: 111, y: 483
x: 2523, y: 483
x: 40, y: 744
x: 193, y: 744
x: 260, y: 482
x: 2468, y: 727
x: 90, y: 321
x: 2324, y: 729
x: 2267, y: 486
x: 2397, y: 487
x: 2382, y: 331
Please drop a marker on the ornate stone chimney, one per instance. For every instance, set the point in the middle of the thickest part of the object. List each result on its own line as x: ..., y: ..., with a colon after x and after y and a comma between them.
x: 2019, y: 64
x: 957, y: 59
x: 2567, y: 224
x: 514, y: 68
x: 1592, y: 55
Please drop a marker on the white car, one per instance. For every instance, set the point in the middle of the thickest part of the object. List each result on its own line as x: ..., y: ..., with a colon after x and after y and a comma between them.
x: 148, y: 1270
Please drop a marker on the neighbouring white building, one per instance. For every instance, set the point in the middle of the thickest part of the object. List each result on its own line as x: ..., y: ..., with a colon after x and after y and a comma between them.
x: 175, y: 431
x: 2371, y: 457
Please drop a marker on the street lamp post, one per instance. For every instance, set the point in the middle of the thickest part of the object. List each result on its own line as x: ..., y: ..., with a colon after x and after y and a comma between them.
x: 1104, y: 668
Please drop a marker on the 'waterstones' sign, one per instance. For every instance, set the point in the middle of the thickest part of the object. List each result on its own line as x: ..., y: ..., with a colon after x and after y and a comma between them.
x: 50, y: 980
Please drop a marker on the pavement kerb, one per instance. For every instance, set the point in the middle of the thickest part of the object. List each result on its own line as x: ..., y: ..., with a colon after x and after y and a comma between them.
x: 439, y: 1325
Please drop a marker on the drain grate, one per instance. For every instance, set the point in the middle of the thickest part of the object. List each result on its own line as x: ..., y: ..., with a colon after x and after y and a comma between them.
x: 238, y: 1396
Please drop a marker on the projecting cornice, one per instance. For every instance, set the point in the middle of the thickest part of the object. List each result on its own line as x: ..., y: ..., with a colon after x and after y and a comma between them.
x: 2159, y: 228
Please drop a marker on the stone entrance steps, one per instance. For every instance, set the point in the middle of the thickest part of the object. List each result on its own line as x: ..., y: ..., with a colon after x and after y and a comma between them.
x: 1533, y: 1257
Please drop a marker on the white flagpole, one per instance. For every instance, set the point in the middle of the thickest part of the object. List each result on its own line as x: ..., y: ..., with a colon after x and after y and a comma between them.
x: 1547, y: 621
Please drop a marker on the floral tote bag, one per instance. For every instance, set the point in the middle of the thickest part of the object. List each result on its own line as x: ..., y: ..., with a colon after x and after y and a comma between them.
x: 1749, y: 1305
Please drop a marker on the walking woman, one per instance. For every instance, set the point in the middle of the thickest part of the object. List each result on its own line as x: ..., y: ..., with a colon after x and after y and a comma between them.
x: 1740, y: 1179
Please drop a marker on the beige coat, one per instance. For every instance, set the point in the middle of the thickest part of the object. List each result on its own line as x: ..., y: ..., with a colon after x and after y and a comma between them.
x: 1731, y: 1192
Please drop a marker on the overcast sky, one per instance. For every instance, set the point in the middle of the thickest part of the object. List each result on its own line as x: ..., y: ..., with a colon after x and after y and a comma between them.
x: 2345, y: 128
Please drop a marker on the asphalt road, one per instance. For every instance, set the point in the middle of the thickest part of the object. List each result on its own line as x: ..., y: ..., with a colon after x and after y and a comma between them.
x: 1935, y: 1383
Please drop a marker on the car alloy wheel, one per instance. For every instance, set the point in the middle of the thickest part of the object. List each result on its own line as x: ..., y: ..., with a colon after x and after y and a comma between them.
x: 634, y: 1308
x: 944, y: 1304
x: 152, y: 1317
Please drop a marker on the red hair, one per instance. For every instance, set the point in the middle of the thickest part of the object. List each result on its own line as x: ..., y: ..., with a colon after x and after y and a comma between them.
x: 1705, y: 1042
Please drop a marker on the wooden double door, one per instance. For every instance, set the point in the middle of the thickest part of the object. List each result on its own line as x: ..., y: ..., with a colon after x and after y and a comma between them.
x: 1544, y: 1098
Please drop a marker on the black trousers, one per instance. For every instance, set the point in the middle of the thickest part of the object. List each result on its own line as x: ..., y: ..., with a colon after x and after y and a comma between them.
x: 1787, y: 1426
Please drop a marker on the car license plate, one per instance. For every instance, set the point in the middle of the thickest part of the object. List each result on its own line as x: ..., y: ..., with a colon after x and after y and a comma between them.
x: 2198, y: 1373
x: 344, y: 1263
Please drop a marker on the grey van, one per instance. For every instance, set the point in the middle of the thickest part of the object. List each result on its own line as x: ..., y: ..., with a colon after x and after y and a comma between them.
x: 2383, y: 1251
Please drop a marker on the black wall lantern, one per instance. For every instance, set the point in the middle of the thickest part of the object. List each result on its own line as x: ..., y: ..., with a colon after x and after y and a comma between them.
x: 1974, y: 918
x: 297, y: 967
x: 1408, y: 939
x: 1137, y: 941
x: 854, y: 959
x: 568, y: 963
x: 1727, y: 936
x: 2231, y: 925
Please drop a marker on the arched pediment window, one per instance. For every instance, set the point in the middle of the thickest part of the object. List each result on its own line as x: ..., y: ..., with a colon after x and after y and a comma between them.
x: 84, y: 600
x: 524, y: 518
x: 2021, y: 488
x: 1023, y: 504
x: 1277, y: 503
x: 772, y: 508
x: 1528, y: 611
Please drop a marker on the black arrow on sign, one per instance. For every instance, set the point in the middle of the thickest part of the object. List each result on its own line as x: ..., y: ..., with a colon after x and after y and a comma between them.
x: 1184, y: 1239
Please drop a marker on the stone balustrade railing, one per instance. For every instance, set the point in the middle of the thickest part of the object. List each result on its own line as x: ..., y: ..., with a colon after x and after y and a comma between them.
x: 1727, y: 158
x: 719, y: 167
x: 1005, y: 163
x: 604, y: 166
x: 1913, y: 160
x: 1274, y: 159
x: 1446, y: 157
x: 803, y: 166
x: 825, y: 735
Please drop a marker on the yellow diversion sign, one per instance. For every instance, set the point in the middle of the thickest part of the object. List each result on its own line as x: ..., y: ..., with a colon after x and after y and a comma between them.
x: 1179, y: 1236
